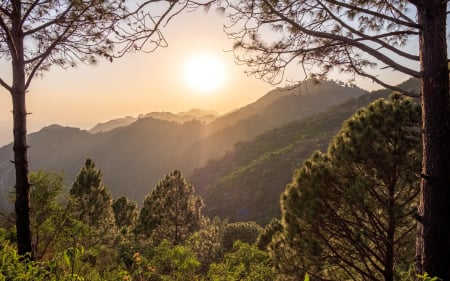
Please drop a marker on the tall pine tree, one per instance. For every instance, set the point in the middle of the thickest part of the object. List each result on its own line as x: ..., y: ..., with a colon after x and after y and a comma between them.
x: 171, y: 211
x: 349, y: 213
x: 91, y: 203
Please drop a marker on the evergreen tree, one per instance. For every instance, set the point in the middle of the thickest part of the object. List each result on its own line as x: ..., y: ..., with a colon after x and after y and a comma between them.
x: 207, y: 243
x: 265, y: 237
x: 91, y: 203
x: 349, y: 214
x: 171, y: 211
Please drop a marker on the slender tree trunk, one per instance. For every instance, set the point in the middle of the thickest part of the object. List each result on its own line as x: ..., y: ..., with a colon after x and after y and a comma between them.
x: 22, y: 203
x: 433, y: 243
x: 18, y: 93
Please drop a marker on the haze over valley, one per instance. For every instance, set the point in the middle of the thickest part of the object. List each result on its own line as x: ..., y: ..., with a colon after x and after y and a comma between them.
x: 219, y: 154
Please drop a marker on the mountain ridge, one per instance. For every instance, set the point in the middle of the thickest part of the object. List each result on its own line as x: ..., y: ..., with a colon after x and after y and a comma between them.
x: 245, y: 184
x: 181, y: 117
x: 133, y: 158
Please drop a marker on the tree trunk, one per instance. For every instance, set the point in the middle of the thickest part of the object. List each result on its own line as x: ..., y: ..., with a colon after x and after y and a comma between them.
x: 18, y: 93
x: 433, y: 245
x: 22, y: 204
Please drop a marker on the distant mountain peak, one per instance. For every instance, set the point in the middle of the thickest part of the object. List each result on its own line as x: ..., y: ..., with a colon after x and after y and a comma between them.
x: 52, y: 127
x: 201, y: 115
x: 112, y: 124
x: 58, y: 128
x: 290, y: 103
x: 198, y: 112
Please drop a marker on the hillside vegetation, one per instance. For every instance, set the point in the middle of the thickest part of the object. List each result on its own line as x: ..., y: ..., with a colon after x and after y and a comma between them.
x: 246, y: 183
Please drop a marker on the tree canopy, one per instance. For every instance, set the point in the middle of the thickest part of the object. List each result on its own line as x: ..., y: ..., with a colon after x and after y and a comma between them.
x: 125, y: 214
x: 171, y: 211
x: 91, y: 203
x: 49, y: 215
x: 349, y: 213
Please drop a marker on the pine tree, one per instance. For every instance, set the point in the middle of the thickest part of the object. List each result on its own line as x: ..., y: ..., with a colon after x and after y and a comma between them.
x: 171, y: 211
x: 91, y: 203
x: 349, y: 213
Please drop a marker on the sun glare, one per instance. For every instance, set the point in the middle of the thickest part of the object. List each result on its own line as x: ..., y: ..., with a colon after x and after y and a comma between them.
x: 204, y: 73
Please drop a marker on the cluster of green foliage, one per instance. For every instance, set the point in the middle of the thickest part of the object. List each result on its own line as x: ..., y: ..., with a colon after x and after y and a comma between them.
x: 81, y: 233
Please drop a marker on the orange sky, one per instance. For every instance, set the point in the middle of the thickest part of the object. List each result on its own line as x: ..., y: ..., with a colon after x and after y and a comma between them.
x: 139, y: 83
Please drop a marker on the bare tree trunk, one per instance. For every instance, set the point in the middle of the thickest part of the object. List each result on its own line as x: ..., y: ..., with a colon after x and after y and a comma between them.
x: 18, y: 93
x: 22, y: 203
x: 433, y: 243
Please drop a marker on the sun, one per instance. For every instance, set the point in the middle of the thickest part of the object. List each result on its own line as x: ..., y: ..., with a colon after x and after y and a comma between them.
x: 204, y: 73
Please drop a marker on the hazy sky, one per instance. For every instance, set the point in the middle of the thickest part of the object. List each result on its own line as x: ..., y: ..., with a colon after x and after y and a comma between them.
x: 139, y: 83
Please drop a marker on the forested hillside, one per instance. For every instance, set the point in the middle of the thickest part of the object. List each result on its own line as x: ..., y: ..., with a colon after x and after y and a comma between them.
x: 246, y: 183
x: 276, y: 109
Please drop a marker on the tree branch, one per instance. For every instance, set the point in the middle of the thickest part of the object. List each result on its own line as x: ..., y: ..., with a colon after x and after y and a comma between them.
x: 47, y: 24
x: 319, y: 34
x: 380, y: 82
x: 7, y: 33
x: 28, y: 12
x: 5, y: 85
x: 41, y: 58
x: 373, y: 38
